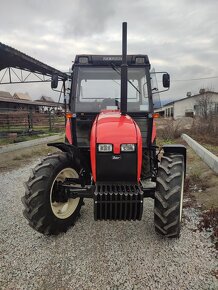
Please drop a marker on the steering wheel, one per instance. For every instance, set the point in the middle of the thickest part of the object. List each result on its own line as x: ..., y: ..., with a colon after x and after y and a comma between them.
x: 107, y: 102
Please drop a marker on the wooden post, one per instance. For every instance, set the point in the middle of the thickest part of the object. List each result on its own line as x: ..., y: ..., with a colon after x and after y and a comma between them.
x: 49, y: 120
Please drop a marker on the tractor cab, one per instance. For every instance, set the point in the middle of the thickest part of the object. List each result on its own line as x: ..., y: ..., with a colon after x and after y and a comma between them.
x: 97, y: 83
x: 96, y: 86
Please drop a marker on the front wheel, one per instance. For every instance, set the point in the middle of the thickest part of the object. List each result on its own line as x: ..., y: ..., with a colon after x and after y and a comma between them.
x: 47, y: 209
x: 169, y: 195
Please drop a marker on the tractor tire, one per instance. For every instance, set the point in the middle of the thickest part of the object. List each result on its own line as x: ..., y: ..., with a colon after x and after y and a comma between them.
x: 169, y: 195
x: 46, y: 211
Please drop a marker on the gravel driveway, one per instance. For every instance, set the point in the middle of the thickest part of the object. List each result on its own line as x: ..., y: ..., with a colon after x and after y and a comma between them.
x: 98, y: 255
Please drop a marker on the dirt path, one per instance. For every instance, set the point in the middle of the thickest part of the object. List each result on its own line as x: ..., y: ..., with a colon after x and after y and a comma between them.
x: 15, y: 159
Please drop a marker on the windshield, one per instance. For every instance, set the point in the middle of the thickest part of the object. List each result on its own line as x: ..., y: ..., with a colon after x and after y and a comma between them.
x: 98, y: 88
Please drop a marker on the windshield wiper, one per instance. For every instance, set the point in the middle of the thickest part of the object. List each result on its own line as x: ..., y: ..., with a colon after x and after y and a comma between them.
x: 116, y: 70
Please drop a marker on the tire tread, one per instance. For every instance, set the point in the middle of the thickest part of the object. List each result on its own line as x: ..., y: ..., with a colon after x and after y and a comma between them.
x: 37, y: 209
x: 168, y: 194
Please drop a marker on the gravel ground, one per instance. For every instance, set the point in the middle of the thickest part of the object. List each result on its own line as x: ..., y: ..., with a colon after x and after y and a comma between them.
x: 98, y: 255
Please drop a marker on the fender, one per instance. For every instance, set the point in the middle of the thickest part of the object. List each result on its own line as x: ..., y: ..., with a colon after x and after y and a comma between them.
x: 154, y: 132
x: 176, y: 148
x: 73, y: 151
x: 69, y: 131
x: 65, y: 147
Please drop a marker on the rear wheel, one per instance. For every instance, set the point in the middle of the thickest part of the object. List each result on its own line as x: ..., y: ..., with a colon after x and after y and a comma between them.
x: 169, y: 195
x: 48, y: 210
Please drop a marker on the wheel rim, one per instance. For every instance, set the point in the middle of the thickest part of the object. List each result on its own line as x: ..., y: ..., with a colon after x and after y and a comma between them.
x: 63, y: 210
x: 181, y: 196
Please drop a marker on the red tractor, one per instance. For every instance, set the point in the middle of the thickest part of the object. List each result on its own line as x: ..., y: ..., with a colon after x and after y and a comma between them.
x: 110, y: 153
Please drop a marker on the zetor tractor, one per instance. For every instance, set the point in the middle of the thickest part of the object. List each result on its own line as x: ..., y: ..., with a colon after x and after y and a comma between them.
x: 110, y: 153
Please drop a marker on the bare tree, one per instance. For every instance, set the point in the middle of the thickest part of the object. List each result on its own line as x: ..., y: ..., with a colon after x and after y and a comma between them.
x: 205, y: 104
x: 207, y: 123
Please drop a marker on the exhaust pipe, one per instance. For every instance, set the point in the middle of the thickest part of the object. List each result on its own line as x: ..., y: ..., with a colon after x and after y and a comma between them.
x: 124, y: 71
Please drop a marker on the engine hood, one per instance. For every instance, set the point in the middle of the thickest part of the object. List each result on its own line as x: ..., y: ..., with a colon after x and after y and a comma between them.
x: 110, y: 127
x: 114, y: 128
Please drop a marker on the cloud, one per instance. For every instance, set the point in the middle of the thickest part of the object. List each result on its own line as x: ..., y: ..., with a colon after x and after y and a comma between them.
x: 179, y: 36
x: 89, y: 18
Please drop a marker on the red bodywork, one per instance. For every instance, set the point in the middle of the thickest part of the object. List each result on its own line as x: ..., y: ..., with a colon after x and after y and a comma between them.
x: 68, y: 131
x: 110, y: 127
x: 154, y: 132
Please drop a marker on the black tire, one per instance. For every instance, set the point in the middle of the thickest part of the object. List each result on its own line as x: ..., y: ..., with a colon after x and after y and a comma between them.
x: 38, y: 199
x: 149, y: 163
x: 169, y: 195
x: 146, y: 170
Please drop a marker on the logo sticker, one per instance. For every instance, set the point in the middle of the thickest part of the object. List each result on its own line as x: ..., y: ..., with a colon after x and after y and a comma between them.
x: 116, y: 157
x: 112, y: 58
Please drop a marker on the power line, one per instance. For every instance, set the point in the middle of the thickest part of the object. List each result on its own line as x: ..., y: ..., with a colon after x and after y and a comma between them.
x: 198, y: 79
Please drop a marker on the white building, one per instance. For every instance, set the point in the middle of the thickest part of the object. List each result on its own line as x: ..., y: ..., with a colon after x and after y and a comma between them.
x: 191, y: 106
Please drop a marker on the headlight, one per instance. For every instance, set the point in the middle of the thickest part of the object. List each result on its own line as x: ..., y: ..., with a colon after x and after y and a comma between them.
x: 105, y: 147
x: 128, y: 147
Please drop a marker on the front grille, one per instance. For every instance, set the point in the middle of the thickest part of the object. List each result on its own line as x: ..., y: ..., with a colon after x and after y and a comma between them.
x: 118, y: 201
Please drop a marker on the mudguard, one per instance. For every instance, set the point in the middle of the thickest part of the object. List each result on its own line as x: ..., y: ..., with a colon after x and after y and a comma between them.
x: 73, y: 150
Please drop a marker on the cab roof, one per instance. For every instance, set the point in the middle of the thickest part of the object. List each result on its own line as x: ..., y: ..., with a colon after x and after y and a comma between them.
x: 104, y: 60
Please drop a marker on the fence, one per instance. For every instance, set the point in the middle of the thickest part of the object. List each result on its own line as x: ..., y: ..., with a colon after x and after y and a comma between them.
x: 16, y: 126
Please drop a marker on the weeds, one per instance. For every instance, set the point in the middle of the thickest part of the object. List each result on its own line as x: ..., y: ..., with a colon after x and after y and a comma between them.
x: 17, y: 158
x: 205, y: 130
x: 18, y: 139
x: 195, y: 183
x: 161, y: 142
x: 170, y: 129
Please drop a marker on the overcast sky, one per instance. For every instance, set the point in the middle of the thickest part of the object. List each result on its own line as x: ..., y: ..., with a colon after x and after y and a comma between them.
x: 179, y: 36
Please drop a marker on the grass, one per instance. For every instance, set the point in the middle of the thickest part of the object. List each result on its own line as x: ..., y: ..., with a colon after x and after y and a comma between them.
x: 18, y: 157
x: 26, y: 128
x: 15, y: 159
x: 162, y: 141
x: 195, y: 182
x: 212, y: 148
x: 200, y: 191
x: 6, y: 141
x: 13, y: 128
x: 35, y: 152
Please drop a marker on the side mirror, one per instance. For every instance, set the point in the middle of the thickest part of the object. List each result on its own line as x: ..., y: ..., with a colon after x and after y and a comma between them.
x: 166, y: 80
x: 54, y: 81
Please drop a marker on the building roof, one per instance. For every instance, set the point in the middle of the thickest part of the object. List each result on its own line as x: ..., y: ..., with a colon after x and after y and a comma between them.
x: 189, y: 97
x: 6, y: 95
x: 29, y: 102
x: 22, y: 96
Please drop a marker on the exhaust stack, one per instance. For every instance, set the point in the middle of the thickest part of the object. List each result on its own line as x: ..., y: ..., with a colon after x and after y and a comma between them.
x: 124, y: 70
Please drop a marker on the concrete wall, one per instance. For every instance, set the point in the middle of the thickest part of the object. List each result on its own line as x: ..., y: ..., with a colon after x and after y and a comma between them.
x: 209, y: 158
